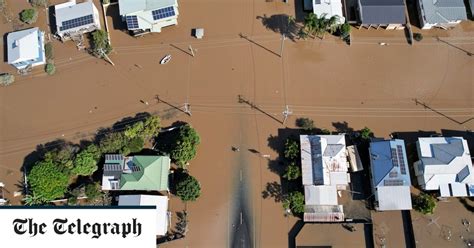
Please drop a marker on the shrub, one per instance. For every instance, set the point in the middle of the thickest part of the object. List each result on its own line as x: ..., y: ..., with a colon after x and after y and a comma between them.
x: 292, y: 171
x: 418, y: 36
x: 186, y: 144
x: 85, y: 163
x: 39, y: 3
x: 295, y: 202
x: 292, y: 149
x: 345, y: 30
x: 93, y: 191
x: 188, y: 187
x: 151, y: 127
x: 6, y: 79
x: 424, y: 203
x: 325, y: 131
x: 100, y: 43
x: 48, y: 50
x: 47, y: 181
x: 29, y: 16
x: 305, y: 123
x: 50, y: 68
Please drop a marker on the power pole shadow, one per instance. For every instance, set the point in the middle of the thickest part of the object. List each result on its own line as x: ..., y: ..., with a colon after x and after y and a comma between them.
x: 442, y: 114
x: 158, y: 100
x: 253, y: 42
x: 253, y: 106
x: 451, y: 45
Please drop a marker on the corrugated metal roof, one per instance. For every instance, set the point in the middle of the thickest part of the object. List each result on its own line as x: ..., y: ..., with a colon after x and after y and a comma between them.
x: 132, y: 6
x: 23, y: 45
x: 161, y: 203
x: 320, y: 195
x: 378, y: 12
x: 393, y: 198
x: 152, y: 176
x: 69, y: 10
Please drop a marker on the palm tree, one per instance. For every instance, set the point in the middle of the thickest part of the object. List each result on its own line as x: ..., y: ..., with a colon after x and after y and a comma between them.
x: 310, y: 23
x: 33, y: 199
x: 332, y: 24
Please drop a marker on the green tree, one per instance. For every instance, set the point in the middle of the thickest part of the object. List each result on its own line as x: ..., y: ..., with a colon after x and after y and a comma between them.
x: 345, y: 30
x: 185, y: 147
x: 50, y: 68
x: 295, y: 202
x: 331, y: 24
x: 47, y: 181
x: 188, y: 187
x: 134, y: 130
x: 100, y: 43
x: 85, y: 163
x: 424, y: 203
x: 34, y: 200
x: 112, y: 142
x: 292, y: 149
x: 366, y: 133
x: 305, y: 123
x: 136, y: 144
x: 29, y: 16
x: 292, y: 171
x: 151, y: 127
x: 93, y: 191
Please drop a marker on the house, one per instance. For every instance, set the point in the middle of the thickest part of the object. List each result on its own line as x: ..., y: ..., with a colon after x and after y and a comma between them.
x: 324, y: 169
x: 135, y: 173
x: 390, y: 176
x: 389, y: 14
x: 441, y: 13
x: 26, y: 48
x: 445, y: 164
x: 326, y: 7
x: 158, y: 201
x: 144, y: 16
x: 74, y: 19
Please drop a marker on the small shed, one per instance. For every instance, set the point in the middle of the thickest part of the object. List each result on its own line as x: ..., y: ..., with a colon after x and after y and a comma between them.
x: 198, y: 33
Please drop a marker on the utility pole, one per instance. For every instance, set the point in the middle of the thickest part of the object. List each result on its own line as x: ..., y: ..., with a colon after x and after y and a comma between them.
x: 187, y: 108
x: 286, y: 113
x: 283, y: 38
x: 191, y: 50
x: 104, y: 55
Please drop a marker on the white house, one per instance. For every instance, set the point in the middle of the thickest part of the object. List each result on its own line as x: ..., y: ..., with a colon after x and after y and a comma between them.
x: 324, y: 170
x: 329, y: 8
x: 390, y: 176
x: 161, y: 203
x: 143, y: 16
x: 445, y: 164
x: 26, y: 48
x: 441, y: 13
x: 76, y: 18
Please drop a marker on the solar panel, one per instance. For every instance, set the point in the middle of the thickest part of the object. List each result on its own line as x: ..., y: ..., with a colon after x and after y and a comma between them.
x: 401, y: 161
x: 163, y: 13
x: 132, y: 22
x: 112, y: 167
x: 394, y: 157
x: 135, y: 168
x: 76, y: 22
x: 393, y: 182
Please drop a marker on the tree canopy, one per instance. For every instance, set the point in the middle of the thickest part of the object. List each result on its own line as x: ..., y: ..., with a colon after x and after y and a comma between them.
x: 424, y: 203
x: 306, y: 123
x: 46, y: 181
x: 295, y: 202
x: 29, y: 16
x: 188, y: 187
x: 292, y: 171
x: 292, y: 149
x: 100, y: 43
x: 185, y: 147
x: 85, y: 163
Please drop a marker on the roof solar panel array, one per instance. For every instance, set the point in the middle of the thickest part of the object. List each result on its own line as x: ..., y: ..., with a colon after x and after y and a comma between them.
x: 113, y: 157
x: 132, y: 22
x: 76, y: 22
x: 401, y: 161
x: 393, y: 182
x: 163, y: 13
x: 112, y: 167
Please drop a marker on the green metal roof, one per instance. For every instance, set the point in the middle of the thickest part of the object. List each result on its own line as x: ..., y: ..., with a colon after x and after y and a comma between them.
x: 153, y: 174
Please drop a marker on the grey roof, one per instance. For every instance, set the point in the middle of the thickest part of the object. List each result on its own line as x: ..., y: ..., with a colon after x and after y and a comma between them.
x: 472, y: 7
x: 444, y: 153
x: 333, y: 149
x: 443, y: 11
x: 382, y: 12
